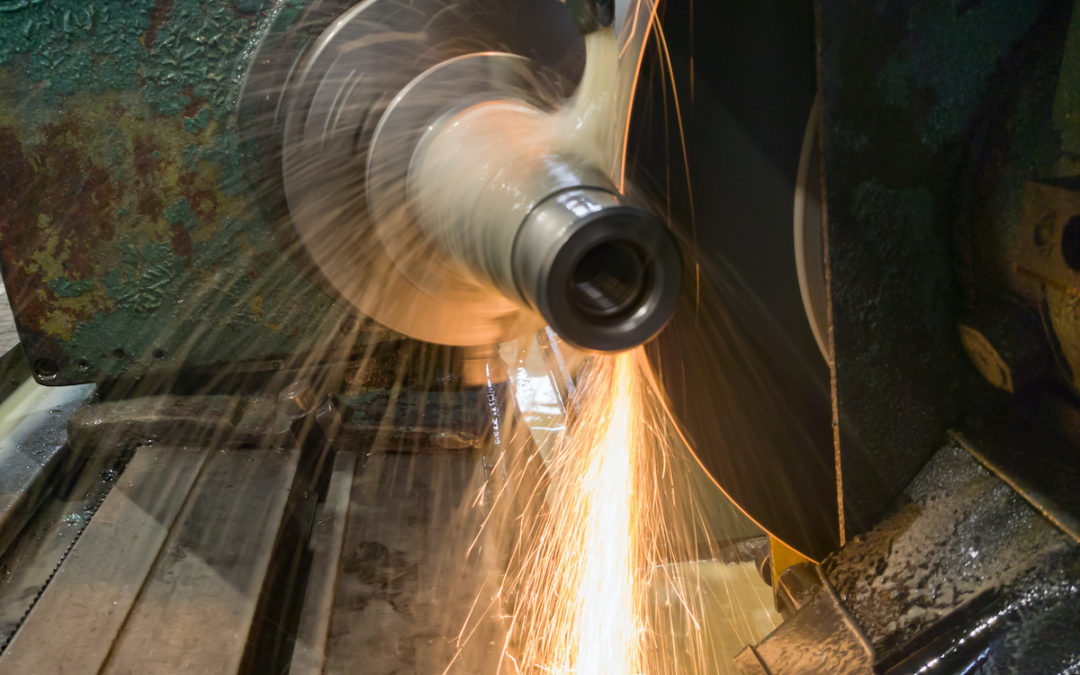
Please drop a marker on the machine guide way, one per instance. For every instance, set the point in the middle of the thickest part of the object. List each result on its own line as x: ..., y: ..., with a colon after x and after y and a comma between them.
x: 309, y: 294
x: 210, y: 543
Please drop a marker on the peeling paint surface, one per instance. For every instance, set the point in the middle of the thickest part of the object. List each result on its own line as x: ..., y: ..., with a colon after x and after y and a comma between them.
x: 131, y: 233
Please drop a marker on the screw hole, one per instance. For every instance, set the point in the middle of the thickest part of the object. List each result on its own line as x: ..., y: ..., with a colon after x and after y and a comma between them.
x: 119, y: 353
x: 1070, y: 243
x: 348, y: 325
x: 46, y: 369
x: 159, y: 353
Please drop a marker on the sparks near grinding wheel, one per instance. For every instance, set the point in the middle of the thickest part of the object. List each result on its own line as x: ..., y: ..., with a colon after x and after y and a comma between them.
x: 276, y: 204
x: 533, y: 233
x: 424, y: 195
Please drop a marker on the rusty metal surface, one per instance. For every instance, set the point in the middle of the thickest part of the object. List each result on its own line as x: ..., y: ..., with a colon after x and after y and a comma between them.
x: 901, y: 97
x: 131, y: 236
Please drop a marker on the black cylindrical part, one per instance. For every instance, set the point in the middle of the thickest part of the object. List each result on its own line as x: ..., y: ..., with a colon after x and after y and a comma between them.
x: 603, y: 274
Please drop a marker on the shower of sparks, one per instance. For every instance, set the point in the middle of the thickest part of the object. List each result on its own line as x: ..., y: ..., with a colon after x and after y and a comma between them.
x: 604, y: 633
x: 620, y: 503
x: 578, y: 588
x: 581, y: 584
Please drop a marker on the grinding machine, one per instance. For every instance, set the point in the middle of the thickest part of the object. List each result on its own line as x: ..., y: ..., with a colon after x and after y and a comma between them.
x: 258, y: 375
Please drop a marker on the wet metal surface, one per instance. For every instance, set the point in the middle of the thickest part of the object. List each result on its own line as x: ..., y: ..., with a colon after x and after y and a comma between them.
x: 33, y: 446
x: 93, y: 592
x: 965, y: 551
x: 408, y: 579
x: 819, y: 639
x: 218, y: 420
x: 50, y: 492
x: 327, y: 539
x: 962, y: 576
x: 1034, y: 463
x: 190, y: 564
x: 206, y: 582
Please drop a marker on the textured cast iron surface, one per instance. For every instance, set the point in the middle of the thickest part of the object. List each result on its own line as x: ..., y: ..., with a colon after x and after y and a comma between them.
x: 130, y: 236
x: 901, y: 94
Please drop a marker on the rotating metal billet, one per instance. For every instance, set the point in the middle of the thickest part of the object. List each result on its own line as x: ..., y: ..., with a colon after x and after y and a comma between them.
x: 369, y: 95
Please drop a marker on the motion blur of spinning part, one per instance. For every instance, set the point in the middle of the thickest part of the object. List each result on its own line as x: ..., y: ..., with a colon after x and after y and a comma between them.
x: 358, y: 115
x: 287, y: 381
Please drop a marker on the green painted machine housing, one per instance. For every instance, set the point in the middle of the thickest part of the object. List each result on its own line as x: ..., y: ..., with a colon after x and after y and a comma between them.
x: 133, y: 236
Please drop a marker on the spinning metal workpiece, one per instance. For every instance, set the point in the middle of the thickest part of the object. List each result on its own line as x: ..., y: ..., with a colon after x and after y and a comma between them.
x: 355, y: 114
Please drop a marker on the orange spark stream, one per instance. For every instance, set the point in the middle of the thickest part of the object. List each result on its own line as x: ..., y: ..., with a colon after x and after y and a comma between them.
x: 606, y: 624
x: 580, y: 588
